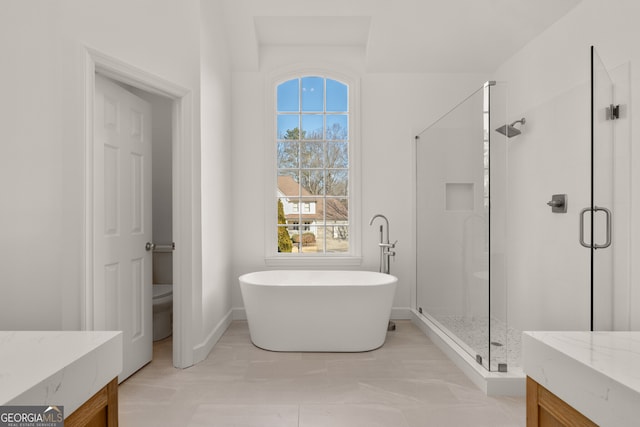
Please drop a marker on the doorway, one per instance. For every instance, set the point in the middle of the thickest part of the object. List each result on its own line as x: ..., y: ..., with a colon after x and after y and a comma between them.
x: 145, y: 192
x: 181, y: 187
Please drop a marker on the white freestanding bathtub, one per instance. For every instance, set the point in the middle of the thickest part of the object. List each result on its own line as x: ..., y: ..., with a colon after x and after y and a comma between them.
x: 332, y: 311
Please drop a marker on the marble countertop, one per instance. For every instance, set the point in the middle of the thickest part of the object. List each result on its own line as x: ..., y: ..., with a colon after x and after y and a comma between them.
x: 57, y: 367
x: 598, y: 373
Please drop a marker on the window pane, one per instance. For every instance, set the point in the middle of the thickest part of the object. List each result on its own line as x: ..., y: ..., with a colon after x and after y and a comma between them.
x: 312, y: 154
x: 337, y: 127
x: 312, y: 181
x: 312, y: 94
x: 308, y: 240
x: 286, y: 208
x: 314, y: 247
x: 337, y: 238
x: 312, y: 126
x: 288, y: 154
x: 337, y: 96
x: 337, y: 210
x: 337, y: 182
x: 288, y: 96
x: 304, y: 237
x: 337, y: 155
x: 285, y: 244
x: 288, y: 183
x: 310, y: 209
x: 288, y: 126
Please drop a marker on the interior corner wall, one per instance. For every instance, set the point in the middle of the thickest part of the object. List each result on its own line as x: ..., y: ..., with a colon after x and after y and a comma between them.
x: 548, y: 275
x: 394, y: 107
x: 217, y: 235
x: 43, y: 43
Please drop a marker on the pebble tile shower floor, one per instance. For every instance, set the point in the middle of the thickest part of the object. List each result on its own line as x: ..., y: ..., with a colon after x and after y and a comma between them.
x: 408, y: 382
x: 474, y: 332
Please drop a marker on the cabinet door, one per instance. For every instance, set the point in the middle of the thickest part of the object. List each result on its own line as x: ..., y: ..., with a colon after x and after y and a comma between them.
x: 546, y: 409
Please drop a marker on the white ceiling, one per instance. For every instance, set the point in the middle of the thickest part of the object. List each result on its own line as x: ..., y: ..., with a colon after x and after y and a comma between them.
x: 445, y: 36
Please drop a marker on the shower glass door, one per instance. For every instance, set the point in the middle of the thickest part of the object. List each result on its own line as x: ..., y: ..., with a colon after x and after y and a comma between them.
x: 598, y: 220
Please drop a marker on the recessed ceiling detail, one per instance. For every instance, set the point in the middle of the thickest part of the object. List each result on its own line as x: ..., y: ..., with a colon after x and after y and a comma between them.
x: 416, y: 36
x: 312, y: 30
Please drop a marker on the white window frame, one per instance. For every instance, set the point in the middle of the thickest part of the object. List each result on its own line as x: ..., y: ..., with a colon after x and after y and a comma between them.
x: 354, y: 256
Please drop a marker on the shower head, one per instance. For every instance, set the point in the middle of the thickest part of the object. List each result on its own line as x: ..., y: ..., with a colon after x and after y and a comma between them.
x: 510, y: 130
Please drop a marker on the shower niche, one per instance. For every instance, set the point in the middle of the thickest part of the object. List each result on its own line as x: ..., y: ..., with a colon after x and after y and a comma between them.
x: 460, y: 247
x: 459, y: 196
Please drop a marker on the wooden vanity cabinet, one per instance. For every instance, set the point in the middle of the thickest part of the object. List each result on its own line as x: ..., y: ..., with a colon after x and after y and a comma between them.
x: 101, y: 410
x: 546, y: 409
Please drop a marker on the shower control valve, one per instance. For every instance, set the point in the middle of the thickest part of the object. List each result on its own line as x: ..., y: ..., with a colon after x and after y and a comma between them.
x: 558, y: 203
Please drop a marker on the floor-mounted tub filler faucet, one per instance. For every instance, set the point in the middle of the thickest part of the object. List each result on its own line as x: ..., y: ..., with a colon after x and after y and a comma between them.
x: 385, y: 247
x: 385, y: 254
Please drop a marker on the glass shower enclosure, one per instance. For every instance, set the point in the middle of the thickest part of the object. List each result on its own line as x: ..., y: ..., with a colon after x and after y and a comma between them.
x: 461, y: 207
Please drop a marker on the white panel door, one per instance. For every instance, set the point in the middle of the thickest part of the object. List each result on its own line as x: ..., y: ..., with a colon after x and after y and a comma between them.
x: 122, y: 222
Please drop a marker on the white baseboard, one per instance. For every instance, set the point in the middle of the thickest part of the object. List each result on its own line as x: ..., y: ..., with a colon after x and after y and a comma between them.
x: 239, y: 313
x: 202, y: 350
x: 401, y: 313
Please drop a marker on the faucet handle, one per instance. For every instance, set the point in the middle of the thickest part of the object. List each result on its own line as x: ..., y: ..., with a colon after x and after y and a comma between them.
x: 388, y: 245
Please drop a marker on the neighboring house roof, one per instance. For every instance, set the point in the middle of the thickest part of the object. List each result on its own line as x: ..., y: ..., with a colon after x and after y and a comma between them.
x: 290, y: 188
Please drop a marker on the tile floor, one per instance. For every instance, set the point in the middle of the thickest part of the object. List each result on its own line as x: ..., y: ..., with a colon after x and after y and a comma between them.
x: 407, y: 382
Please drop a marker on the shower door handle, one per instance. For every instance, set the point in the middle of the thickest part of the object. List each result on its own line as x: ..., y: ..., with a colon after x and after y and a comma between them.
x: 607, y: 212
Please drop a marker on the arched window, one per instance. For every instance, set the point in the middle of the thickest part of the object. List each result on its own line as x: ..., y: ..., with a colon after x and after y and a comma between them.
x: 312, y: 139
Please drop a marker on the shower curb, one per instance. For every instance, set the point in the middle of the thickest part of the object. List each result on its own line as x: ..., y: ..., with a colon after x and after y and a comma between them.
x: 491, y: 383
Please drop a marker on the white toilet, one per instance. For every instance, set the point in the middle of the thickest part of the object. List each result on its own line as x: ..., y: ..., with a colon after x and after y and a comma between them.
x: 162, y: 311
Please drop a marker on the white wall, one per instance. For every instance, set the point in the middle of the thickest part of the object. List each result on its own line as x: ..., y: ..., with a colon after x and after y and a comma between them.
x: 42, y: 159
x: 217, y: 235
x: 394, y: 108
x: 548, y: 79
x: 33, y: 174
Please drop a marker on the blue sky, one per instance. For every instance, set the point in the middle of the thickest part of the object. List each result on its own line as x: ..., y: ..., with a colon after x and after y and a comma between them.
x: 307, y: 95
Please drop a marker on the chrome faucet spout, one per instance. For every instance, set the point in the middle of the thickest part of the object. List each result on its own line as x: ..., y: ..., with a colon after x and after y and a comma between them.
x: 386, y: 221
